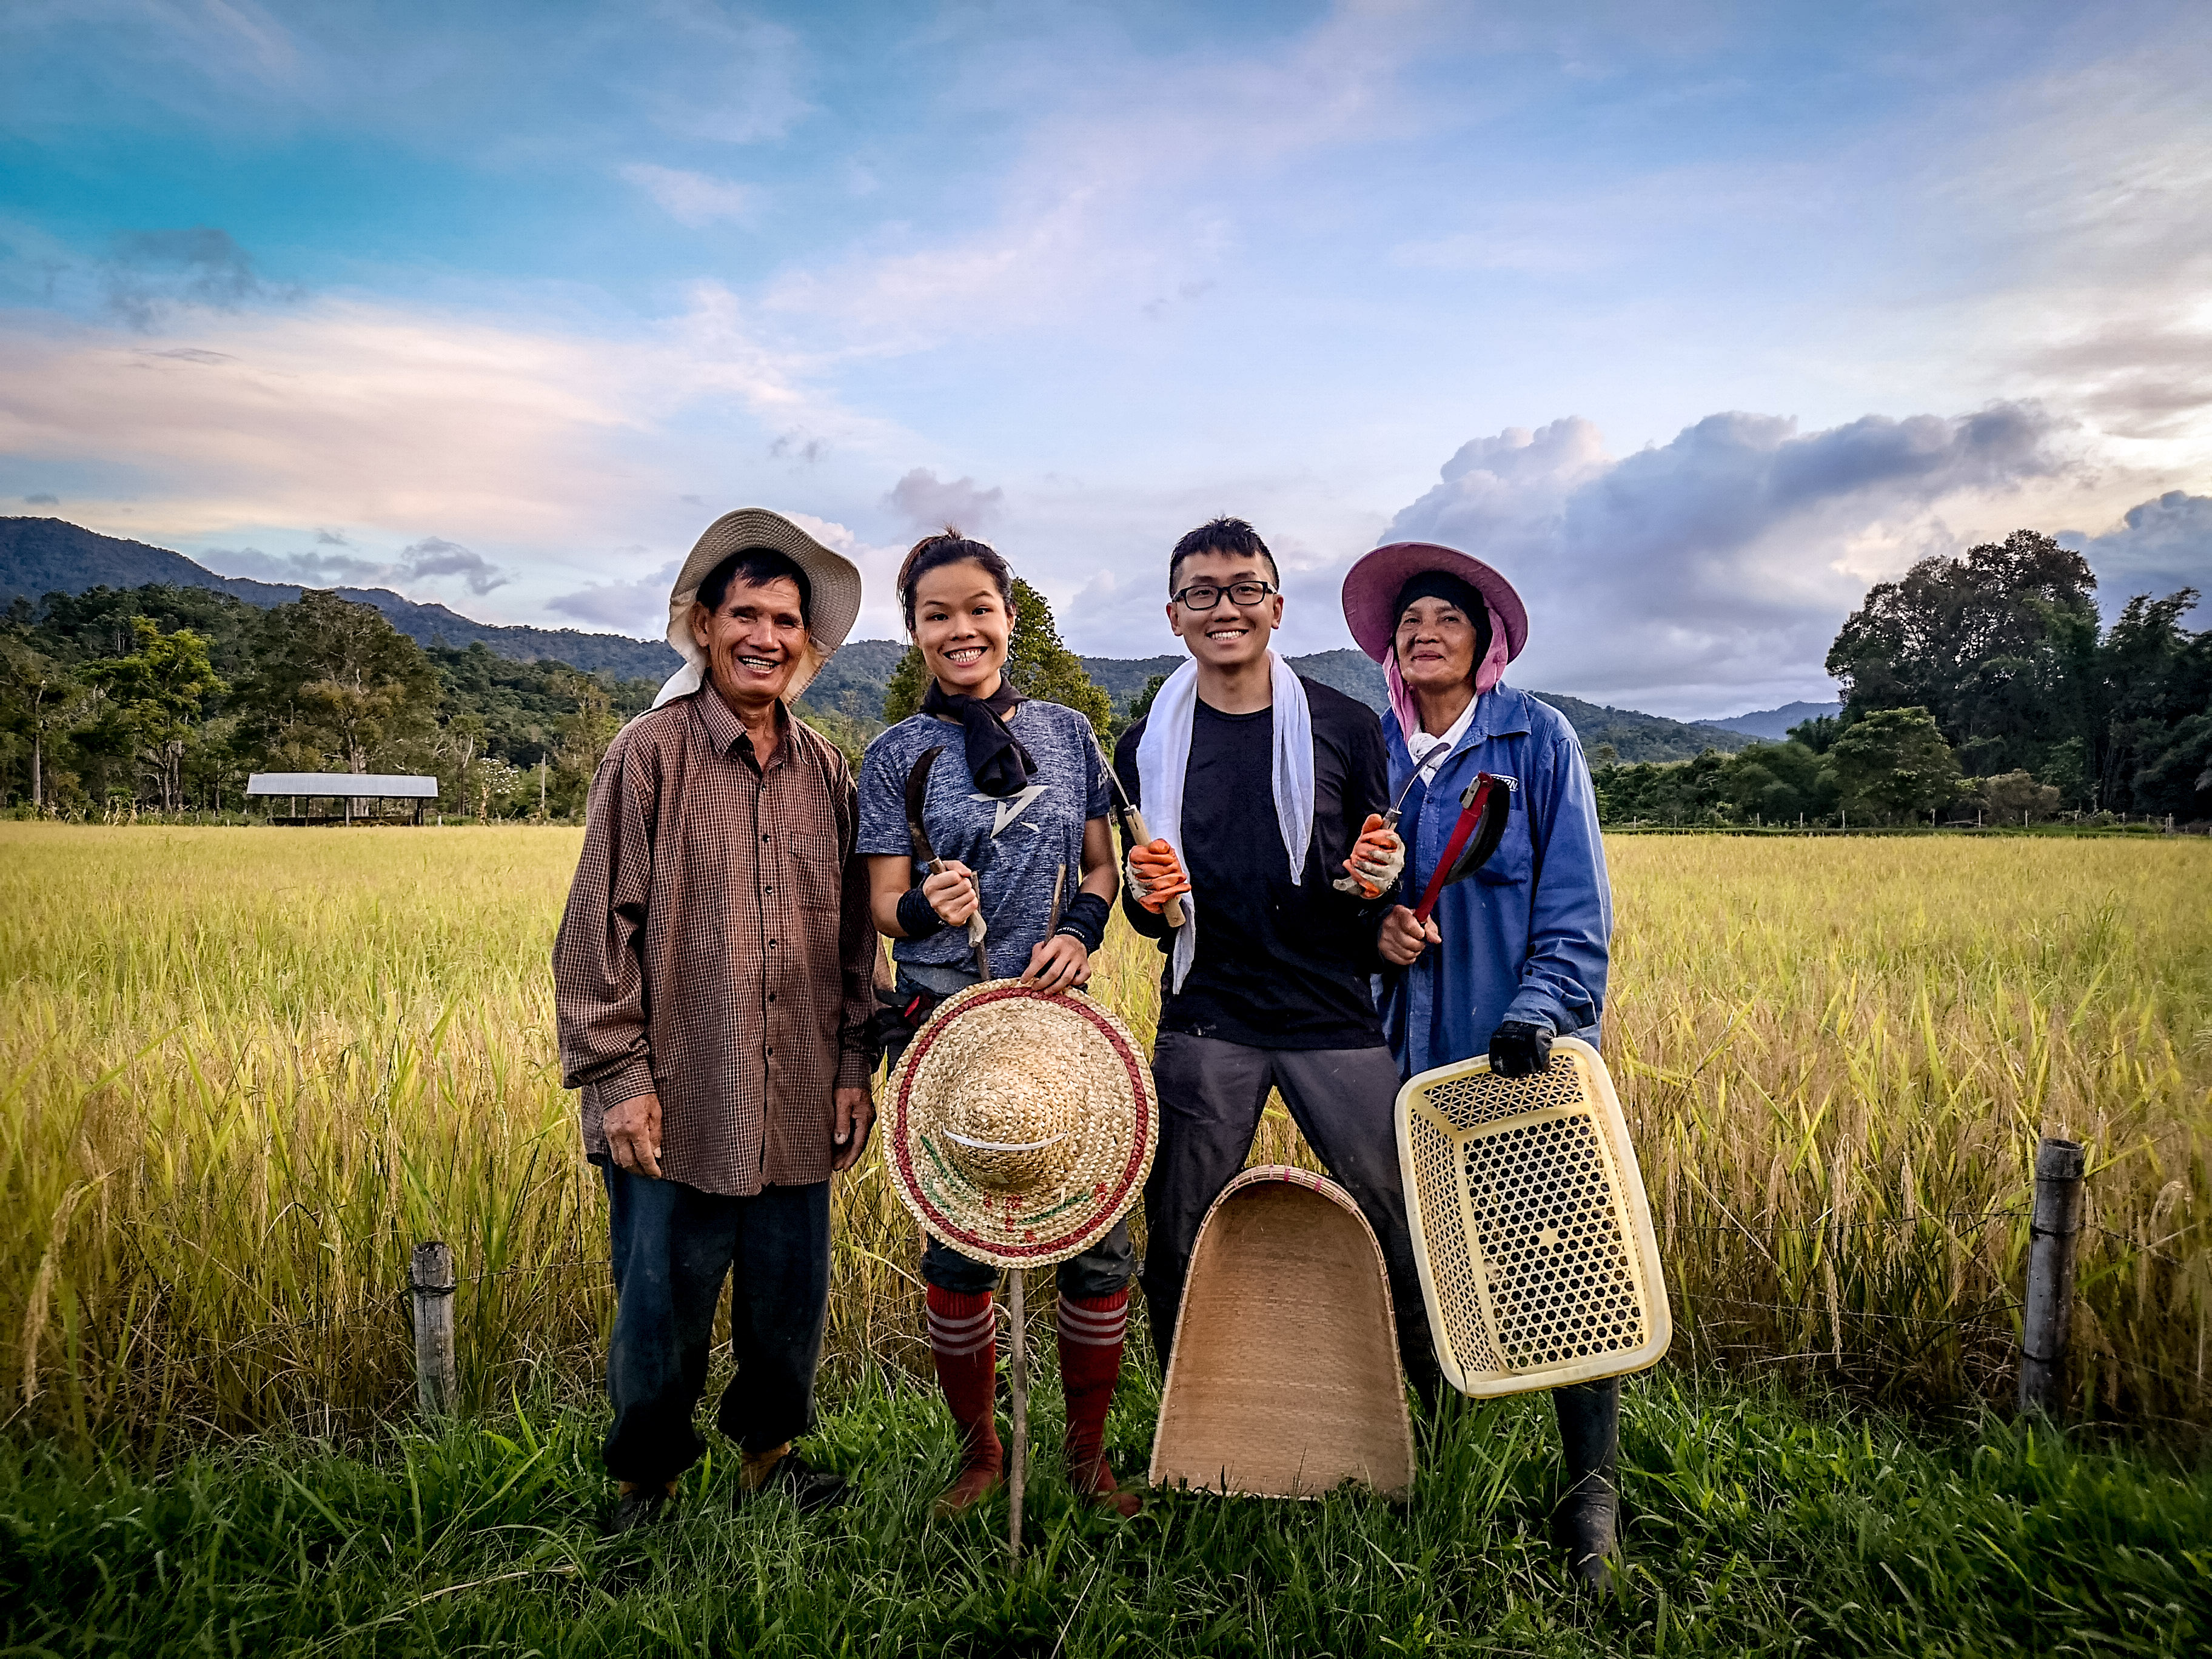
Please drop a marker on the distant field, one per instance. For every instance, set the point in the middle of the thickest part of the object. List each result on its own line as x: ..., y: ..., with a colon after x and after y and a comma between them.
x: 245, y: 1069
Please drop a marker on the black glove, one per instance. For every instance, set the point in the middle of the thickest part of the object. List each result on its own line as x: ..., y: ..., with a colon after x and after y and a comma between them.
x: 898, y: 1016
x: 1519, y: 1049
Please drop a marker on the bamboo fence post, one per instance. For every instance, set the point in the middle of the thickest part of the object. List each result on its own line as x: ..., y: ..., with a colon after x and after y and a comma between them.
x: 2047, y: 1318
x: 430, y: 1275
x: 1019, y: 1385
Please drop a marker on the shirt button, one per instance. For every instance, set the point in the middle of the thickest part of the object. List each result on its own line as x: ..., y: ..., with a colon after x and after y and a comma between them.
x: 771, y: 996
x: 763, y: 837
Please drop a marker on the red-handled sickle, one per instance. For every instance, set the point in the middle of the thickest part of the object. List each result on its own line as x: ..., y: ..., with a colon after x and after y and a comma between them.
x: 1482, y: 808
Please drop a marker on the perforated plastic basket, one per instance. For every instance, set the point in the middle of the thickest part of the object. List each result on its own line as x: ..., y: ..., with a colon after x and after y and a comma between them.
x: 1530, y: 1225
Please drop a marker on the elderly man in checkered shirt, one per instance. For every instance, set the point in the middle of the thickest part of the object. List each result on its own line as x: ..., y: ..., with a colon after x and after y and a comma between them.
x: 714, y: 984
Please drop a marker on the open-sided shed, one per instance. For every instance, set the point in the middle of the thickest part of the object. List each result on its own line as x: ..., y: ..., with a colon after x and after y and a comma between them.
x: 348, y: 786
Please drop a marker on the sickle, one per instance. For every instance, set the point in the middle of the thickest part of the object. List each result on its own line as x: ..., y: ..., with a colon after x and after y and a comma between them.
x: 1352, y: 884
x: 917, y: 792
x: 1482, y: 809
x: 1133, y: 826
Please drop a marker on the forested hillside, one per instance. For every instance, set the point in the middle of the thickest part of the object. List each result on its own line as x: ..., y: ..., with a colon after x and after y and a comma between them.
x: 170, y: 697
x: 39, y: 556
x: 1985, y: 688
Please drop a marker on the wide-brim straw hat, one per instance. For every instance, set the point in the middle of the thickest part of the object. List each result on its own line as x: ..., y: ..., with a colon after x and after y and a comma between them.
x: 832, y: 580
x: 1372, y: 585
x: 1284, y: 1379
x: 1020, y: 1123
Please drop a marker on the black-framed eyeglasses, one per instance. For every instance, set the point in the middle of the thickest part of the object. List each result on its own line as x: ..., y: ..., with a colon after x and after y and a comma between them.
x: 1204, y: 596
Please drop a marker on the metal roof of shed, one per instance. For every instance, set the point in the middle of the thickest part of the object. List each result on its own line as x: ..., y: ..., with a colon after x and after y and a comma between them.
x: 360, y: 786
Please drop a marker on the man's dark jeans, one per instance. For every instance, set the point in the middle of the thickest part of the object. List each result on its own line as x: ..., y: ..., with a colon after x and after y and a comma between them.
x: 672, y: 1247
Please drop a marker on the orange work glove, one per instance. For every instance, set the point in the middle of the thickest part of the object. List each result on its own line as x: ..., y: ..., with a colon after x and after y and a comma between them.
x: 1378, y: 859
x: 1156, y: 875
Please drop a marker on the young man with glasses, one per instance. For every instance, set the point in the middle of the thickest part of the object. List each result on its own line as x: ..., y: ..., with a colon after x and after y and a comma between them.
x: 1262, y: 786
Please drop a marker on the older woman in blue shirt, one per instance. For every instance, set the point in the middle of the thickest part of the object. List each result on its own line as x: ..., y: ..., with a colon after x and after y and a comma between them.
x: 1516, y: 955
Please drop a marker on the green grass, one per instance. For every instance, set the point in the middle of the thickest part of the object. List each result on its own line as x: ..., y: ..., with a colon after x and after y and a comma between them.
x: 1757, y: 1525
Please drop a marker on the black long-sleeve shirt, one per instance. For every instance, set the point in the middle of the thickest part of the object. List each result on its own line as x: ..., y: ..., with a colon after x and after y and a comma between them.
x: 1277, y: 965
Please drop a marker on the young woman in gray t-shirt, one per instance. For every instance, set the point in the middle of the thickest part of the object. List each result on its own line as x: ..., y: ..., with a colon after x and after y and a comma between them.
x: 1015, y: 806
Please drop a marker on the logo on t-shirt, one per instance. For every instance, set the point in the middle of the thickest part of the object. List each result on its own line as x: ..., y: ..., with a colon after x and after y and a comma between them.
x: 1012, y: 807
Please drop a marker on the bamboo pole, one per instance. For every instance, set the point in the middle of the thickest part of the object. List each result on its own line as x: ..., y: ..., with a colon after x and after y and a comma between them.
x: 431, y: 1275
x: 1019, y: 1385
x: 2047, y: 1318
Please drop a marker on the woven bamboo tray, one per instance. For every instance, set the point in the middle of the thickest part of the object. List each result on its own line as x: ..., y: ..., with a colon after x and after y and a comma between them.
x: 1284, y: 1380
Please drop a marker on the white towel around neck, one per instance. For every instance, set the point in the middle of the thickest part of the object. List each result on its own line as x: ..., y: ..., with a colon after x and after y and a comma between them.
x: 1164, y: 758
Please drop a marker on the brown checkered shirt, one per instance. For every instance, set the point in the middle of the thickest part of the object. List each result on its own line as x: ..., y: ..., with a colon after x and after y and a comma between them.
x: 717, y: 947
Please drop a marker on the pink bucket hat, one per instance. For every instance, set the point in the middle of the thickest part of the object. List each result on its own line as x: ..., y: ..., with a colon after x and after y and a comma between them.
x: 1371, y: 598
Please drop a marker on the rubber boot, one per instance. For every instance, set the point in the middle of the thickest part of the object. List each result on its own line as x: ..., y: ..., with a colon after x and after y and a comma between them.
x: 1588, y: 1521
x: 1092, y: 1328
x: 963, y: 1340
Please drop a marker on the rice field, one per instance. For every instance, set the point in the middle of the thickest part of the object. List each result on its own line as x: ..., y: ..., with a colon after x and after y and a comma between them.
x: 243, y: 1071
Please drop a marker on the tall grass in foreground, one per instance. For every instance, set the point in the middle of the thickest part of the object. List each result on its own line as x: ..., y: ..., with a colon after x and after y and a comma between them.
x: 242, y: 1072
x: 1753, y: 1528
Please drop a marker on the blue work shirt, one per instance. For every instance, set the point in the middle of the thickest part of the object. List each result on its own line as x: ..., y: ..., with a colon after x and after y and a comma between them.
x: 1526, y: 936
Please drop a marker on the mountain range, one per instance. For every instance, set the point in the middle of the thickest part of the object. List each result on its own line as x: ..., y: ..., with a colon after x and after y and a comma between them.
x: 39, y: 556
x: 1774, y: 724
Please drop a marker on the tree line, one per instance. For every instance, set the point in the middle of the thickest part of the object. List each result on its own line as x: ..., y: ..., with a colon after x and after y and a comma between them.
x: 1984, y: 687
x: 166, y: 699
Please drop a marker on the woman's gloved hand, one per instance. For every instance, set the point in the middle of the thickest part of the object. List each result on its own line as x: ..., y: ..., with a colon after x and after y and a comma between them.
x: 1519, y: 1049
x: 1378, y: 859
x: 1156, y: 875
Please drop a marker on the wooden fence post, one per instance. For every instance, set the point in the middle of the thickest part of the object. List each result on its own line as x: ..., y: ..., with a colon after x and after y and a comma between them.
x: 1018, y: 1367
x: 431, y: 1275
x: 2047, y: 1319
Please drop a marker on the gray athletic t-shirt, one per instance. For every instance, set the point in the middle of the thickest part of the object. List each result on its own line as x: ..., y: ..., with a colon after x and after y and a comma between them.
x: 1014, y: 845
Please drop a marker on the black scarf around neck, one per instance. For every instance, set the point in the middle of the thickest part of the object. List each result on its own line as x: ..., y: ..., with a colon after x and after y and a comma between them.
x: 996, y: 759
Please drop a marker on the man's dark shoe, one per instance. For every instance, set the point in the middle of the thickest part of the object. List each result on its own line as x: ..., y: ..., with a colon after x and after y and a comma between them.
x: 813, y: 1489
x: 638, y: 1506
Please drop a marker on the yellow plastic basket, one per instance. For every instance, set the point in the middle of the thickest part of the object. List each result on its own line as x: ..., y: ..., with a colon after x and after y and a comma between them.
x: 1530, y: 1225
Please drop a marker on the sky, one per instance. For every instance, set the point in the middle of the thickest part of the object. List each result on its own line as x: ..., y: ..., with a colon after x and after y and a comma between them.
x: 1694, y: 319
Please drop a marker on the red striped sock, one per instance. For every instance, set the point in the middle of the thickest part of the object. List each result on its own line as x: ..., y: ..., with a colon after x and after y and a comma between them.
x: 1092, y: 1328
x: 964, y: 1341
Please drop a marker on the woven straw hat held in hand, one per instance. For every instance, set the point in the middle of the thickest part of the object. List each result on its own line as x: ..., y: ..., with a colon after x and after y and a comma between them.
x: 1020, y: 1124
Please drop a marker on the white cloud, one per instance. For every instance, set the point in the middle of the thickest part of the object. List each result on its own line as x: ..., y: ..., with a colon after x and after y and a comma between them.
x: 426, y: 561
x: 387, y: 419
x: 693, y: 199
x: 2157, y: 547
x: 639, y: 606
x: 730, y: 78
x: 1113, y: 197
x: 1716, y: 568
x: 930, y: 503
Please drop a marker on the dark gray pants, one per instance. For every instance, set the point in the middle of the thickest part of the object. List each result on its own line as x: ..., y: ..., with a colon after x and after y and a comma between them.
x: 673, y: 1246
x: 1212, y: 1094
